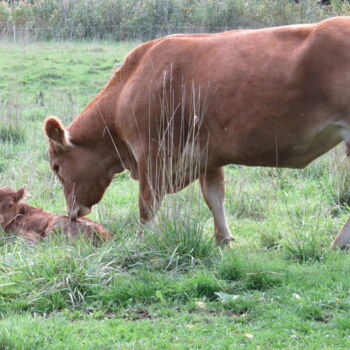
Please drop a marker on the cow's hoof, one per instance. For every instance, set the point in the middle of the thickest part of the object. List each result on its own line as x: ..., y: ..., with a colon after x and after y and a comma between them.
x: 341, y: 246
x: 226, y: 242
x: 228, y: 245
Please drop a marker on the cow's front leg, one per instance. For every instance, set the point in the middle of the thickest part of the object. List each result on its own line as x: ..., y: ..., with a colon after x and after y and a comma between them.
x: 213, y: 189
x: 150, y: 196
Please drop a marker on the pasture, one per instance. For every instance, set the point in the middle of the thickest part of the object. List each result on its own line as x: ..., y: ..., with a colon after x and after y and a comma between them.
x: 279, y: 287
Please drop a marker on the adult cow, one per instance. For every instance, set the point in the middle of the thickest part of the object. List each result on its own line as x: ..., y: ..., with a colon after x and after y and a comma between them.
x: 276, y: 97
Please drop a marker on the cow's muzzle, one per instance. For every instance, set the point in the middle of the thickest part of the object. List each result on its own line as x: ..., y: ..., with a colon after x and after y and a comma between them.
x: 78, y: 211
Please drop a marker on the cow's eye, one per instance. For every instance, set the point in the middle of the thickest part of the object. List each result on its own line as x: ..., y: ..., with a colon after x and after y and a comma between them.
x: 10, y: 205
x: 56, y: 168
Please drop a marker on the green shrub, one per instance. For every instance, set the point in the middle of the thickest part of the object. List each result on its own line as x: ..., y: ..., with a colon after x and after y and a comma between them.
x: 237, y: 304
x: 250, y: 272
x: 311, y: 312
x: 122, y: 20
x: 303, y: 247
x: 179, y: 236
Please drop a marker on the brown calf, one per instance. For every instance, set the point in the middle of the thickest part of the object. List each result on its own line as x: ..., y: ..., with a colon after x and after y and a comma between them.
x: 34, y: 223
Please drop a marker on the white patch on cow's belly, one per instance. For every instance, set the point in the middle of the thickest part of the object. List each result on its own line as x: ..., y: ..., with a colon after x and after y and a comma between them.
x: 318, y: 139
x: 318, y: 143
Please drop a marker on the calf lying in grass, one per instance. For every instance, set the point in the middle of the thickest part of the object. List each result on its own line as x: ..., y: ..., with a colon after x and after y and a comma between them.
x: 33, y: 223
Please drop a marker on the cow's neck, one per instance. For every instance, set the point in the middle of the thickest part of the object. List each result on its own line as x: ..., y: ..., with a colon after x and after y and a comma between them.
x: 95, y: 125
x: 96, y: 120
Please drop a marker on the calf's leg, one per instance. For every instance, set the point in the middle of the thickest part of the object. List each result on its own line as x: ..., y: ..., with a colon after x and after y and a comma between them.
x: 213, y: 189
x: 30, y: 236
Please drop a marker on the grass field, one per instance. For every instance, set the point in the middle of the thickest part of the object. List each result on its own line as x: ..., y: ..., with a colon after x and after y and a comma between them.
x: 279, y: 287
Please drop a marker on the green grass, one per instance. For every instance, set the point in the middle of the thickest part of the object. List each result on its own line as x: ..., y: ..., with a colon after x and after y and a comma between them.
x: 280, y: 287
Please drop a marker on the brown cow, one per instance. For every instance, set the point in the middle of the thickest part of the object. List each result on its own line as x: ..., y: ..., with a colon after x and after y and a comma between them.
x: 277, y: 97
x: 33, y: 223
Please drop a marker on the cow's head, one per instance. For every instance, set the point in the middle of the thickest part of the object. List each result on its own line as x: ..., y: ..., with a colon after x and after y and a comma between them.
x: 9, y: 200
x: 84, y: 168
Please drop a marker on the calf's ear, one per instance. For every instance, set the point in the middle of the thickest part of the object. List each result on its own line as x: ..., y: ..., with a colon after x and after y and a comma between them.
x: 21, y: 194
x: 56, y: 132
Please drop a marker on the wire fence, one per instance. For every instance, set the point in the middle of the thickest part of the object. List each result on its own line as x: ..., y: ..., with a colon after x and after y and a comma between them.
x: 116, y: 32
x: 148, y: 19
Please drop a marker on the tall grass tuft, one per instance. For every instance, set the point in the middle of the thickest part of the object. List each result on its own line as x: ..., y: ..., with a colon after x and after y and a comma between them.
x: 339, y: 174
x: 11, y: 133
x: 249, y: 272
x: 178, y: 231
x: 11, y: 129
x: 180, y: 238
x: 303, y: 247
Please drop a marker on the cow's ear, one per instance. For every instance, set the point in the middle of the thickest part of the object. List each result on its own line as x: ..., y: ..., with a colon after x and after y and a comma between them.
x: 56, y: 132
x: 21, y: 194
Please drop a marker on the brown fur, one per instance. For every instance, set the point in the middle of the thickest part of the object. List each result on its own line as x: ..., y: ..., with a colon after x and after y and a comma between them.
x: 32, y: 223
x: 269, y: 97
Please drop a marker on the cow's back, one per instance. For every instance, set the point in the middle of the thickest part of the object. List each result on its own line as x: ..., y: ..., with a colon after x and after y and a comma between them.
x: 259, y: 94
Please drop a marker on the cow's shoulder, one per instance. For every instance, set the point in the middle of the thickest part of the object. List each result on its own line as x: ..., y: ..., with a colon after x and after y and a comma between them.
x: 333, y: 31
x: 327, y: 46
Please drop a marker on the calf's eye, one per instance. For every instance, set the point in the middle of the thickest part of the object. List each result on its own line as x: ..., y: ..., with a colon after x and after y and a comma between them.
x: 56, y: 168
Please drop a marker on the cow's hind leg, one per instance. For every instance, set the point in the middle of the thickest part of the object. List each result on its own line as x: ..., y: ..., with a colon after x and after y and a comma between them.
x: 213, y: 189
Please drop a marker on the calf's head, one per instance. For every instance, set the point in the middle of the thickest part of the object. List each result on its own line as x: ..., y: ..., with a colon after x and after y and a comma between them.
x: 83, y: 167
x: 9, y: 200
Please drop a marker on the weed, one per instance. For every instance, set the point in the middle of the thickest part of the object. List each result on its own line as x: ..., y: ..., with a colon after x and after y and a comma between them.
x: 251, y: 273
x: 339, y: 174
x: 303, y: 248
x: 238, y: 304
x: 182, y: 241
x: 342, y: 323
x: 11, y: 127
x: 11, y: 134
x: 232, y: 267
x: 311, y: 312
x: 206, y: 285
